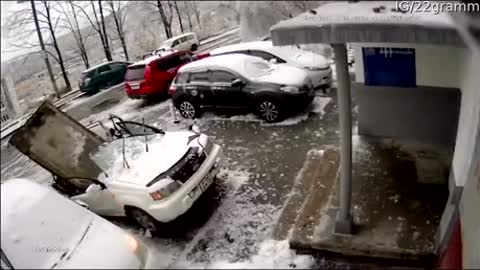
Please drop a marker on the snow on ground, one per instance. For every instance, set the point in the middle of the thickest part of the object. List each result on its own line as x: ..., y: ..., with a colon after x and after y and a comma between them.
x: 271, y: 254
x: 317, y: 106
x: 127, y: 109
x: 319, y: 103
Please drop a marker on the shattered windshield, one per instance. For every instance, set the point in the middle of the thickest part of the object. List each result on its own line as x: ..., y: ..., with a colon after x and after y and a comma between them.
x: 109, y: 156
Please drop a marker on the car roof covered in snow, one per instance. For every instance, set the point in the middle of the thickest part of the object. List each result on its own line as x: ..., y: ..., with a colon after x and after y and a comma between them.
x: 234, y: 61
x: 259, y: 45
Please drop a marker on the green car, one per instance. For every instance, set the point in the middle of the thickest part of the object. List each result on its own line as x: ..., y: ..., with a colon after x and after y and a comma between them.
x: 102, y: 76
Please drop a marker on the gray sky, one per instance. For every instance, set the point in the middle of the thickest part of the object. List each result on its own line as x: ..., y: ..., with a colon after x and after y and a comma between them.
x: 7, y: 8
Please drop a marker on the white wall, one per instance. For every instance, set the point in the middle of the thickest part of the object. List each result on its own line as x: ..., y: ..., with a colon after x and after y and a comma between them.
x: 466, y: 162
x: 439, y: 66
x: 468, y: 120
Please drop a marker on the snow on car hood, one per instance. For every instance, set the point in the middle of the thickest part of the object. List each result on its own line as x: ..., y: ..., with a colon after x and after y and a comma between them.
x: 310, y: 59
x: 163, y: 152
x: 302, y: 58
x: 284, y: 74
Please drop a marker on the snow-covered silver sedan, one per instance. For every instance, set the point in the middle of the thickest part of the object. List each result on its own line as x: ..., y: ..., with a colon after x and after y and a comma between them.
x: 315, y: 65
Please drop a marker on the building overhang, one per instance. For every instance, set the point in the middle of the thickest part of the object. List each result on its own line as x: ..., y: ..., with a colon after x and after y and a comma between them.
x: 345, y: 22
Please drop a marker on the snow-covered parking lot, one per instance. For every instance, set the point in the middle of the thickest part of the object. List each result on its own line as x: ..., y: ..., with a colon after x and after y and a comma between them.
x: 231, y: 225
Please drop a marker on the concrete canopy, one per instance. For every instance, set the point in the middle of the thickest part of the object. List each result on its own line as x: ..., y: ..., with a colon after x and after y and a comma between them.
x: 344, y: 22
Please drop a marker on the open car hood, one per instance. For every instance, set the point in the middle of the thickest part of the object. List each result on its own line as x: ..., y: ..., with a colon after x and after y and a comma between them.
x: 58, y: 143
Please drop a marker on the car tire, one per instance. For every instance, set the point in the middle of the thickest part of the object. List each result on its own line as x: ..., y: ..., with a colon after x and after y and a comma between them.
x: 194, y: 47
x: 188, y: 109
x: 143, y: 219
x: 269, y: 110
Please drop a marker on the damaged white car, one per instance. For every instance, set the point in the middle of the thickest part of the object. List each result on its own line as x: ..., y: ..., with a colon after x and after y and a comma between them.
x: 144, y: 173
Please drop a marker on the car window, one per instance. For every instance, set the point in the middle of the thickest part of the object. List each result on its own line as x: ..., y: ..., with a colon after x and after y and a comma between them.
x: 182, y: 77
x: 175, y: 43
x: 104, y: 68
x: 183, y: 39
x: 220, y: 76
x: 265, y: 55
x: 199, y: 77
x: 135, y: 73
x: 117, y: 65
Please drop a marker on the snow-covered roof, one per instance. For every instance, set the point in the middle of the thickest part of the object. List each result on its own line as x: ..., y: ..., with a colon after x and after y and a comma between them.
x: 261, y: 45
x: 234, y: 62
x: 344, y: 22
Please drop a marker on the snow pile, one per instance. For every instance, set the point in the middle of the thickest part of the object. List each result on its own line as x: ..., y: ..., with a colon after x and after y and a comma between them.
x: 319, y: 103
x: 271, y: 255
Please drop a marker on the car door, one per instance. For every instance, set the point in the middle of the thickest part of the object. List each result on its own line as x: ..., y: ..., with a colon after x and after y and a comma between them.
x: 199, y: 88
x: 226, y: 95
x: 103, y: 76
x: 118, y: 71
x: 176, y: 44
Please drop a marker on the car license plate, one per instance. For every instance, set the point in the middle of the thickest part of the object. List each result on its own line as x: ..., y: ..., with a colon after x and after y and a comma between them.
x: 206, y: 182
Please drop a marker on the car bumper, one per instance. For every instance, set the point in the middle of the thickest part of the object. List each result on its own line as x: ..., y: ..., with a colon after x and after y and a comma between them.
x: 320, y: 77
x: 177, y: 204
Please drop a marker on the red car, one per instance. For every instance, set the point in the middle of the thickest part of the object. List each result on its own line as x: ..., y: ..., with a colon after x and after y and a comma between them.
x: 152, y: 76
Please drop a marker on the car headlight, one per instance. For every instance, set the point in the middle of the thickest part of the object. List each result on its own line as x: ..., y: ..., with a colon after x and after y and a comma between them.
x: 290, y: 89
x: 166, y: 190
x: 86, y: 81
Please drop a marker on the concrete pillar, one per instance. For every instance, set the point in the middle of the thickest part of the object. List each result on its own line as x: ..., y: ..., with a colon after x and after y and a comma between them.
x: 344, y: 224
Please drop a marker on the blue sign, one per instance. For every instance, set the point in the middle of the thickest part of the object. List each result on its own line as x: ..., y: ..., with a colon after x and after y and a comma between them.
x: 389, y: 66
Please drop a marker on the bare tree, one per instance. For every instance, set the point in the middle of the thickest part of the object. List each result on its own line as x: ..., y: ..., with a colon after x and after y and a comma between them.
x: 51, y: 27
x: 97, y: 26
x: 107, y: 46
x: 197, y: 13
x: 166, y: 18
x: 188, y: 12
x: 178, y: 15
x: 42, y: 46
x: 119, y: 14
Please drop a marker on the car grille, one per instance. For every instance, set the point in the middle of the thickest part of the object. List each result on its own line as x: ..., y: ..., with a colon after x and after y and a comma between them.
x: 184, y: 168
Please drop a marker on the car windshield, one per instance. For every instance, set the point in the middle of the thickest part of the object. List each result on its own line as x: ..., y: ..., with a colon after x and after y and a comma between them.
x: 83, y: 75
x: 135, y: 73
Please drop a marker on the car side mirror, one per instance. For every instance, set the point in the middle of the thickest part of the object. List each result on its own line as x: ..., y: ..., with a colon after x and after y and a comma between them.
x: 93, y: 188
x: 273, y: 60
x: 237, y: 82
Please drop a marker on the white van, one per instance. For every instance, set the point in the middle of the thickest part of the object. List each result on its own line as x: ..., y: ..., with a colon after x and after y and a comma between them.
x: 185, y: 42
x: 42, y: 229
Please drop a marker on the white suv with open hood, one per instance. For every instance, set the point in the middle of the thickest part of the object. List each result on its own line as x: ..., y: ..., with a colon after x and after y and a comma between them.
x: 153, y: 177
x: 144, y: 173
